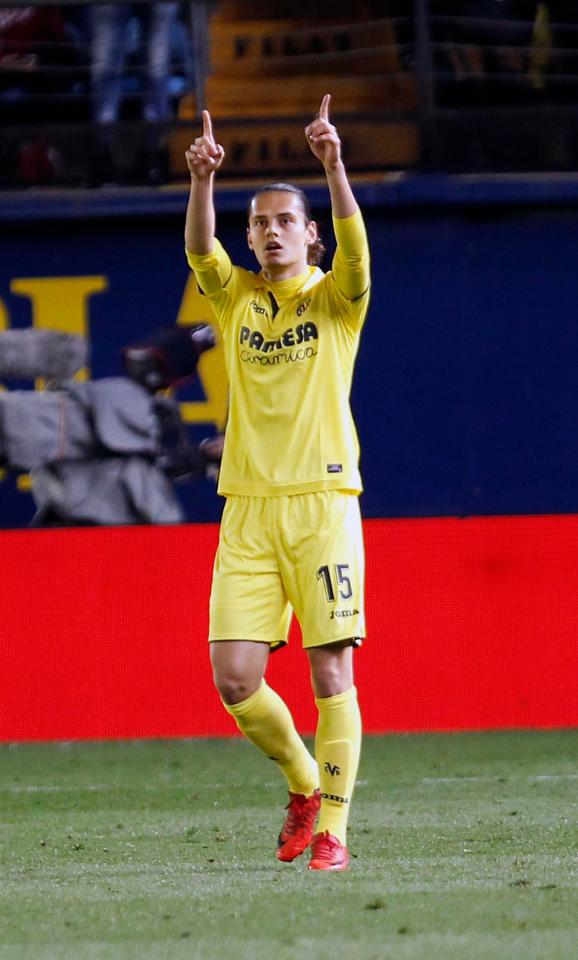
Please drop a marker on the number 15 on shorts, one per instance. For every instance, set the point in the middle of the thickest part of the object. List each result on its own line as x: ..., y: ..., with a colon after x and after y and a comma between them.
x: 336, y: 581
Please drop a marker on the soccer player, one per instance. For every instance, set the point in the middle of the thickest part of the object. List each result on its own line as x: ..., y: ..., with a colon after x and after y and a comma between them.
x: 291, y: 531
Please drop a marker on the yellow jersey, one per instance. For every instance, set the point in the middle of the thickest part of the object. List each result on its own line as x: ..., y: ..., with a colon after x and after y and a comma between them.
x: 290, y: 348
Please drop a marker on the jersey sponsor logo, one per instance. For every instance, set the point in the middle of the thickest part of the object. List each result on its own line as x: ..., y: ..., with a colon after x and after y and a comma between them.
x: 276, y: 352
x: 291, y: 356
x: 333, y: 796
x: 291, y: 337
x: 332, y: 769
x: 343, y: 613
x: 303, y: 307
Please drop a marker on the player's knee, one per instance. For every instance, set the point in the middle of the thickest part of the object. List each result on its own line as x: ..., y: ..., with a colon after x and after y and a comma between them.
x: 329, y: 683
x: 233, y: 687
x: 331, y: 670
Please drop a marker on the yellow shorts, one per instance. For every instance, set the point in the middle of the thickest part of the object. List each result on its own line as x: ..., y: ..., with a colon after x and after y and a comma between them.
x: 276, y: 555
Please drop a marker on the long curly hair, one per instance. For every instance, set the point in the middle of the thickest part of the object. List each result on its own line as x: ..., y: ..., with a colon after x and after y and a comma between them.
x: 315, y: 250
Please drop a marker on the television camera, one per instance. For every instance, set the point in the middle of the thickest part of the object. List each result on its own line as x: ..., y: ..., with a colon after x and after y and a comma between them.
x: 105, y: 451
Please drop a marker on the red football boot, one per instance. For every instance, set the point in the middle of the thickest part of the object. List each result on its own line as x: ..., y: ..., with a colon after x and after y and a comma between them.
x: 297, y: 830
x: 327, y: 853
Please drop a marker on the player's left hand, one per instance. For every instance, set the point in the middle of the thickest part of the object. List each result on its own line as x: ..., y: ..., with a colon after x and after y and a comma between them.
x: 323, y: 138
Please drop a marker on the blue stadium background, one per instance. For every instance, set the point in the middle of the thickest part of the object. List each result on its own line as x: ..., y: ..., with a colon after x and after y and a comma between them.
x: 466, y: 394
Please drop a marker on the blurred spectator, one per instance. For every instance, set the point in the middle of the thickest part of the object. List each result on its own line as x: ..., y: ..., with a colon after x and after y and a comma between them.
x: 40, y: 71
x: 113, y: 27
x: 111, y: 34
x: 34, y: 43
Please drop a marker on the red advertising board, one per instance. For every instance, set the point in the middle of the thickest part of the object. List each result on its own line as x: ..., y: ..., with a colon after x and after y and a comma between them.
x: 472, y: 624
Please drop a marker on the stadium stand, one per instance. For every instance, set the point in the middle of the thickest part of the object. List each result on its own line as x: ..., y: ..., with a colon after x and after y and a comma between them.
x: 472, y: 86
x: 264, y: 73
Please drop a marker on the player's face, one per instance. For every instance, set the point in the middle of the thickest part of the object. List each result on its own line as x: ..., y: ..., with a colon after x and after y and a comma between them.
x: 279, y: 234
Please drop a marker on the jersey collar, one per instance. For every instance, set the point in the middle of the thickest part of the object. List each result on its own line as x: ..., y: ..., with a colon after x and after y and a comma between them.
x: 284, y: 289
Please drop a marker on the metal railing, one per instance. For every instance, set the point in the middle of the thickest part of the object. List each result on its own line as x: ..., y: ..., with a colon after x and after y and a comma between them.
x: 460, y: 92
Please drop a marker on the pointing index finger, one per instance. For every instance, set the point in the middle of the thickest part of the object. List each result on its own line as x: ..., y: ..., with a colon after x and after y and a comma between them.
x: 207, y: 125
x: 324, y: 108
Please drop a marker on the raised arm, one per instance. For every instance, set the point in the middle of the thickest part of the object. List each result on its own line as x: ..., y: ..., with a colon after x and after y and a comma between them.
x: 351, y: 261
x: 326, y: 146
x: 204, y: 157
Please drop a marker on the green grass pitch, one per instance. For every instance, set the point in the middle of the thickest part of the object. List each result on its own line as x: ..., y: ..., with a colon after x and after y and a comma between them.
x: 463, y: 846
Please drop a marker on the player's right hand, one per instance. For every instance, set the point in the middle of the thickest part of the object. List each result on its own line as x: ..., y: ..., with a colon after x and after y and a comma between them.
x: 204, y: 156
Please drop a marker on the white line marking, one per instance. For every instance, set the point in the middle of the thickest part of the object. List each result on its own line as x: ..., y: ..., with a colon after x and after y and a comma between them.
x: 554, y: 777
x: 430, y: 781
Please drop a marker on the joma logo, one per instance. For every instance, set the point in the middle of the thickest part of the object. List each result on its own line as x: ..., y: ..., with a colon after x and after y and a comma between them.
x: 343, y: 613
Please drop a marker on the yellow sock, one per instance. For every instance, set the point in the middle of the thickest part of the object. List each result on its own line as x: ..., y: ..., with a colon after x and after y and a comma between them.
x: 266, y: 721
x: 337, y: 749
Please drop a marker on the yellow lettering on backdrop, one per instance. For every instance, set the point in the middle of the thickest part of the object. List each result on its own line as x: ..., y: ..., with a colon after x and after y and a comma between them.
x: 24, y: 482
x: 195, y: 308
x: 60, y: 303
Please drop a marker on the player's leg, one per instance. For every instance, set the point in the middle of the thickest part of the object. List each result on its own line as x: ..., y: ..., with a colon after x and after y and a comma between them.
x: 248, y: 596
x: 259, y: 712
x: 337, y: 749
x: 324, y: 578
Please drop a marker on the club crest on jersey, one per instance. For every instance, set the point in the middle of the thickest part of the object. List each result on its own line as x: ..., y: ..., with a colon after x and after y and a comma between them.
x: 291, y: 337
